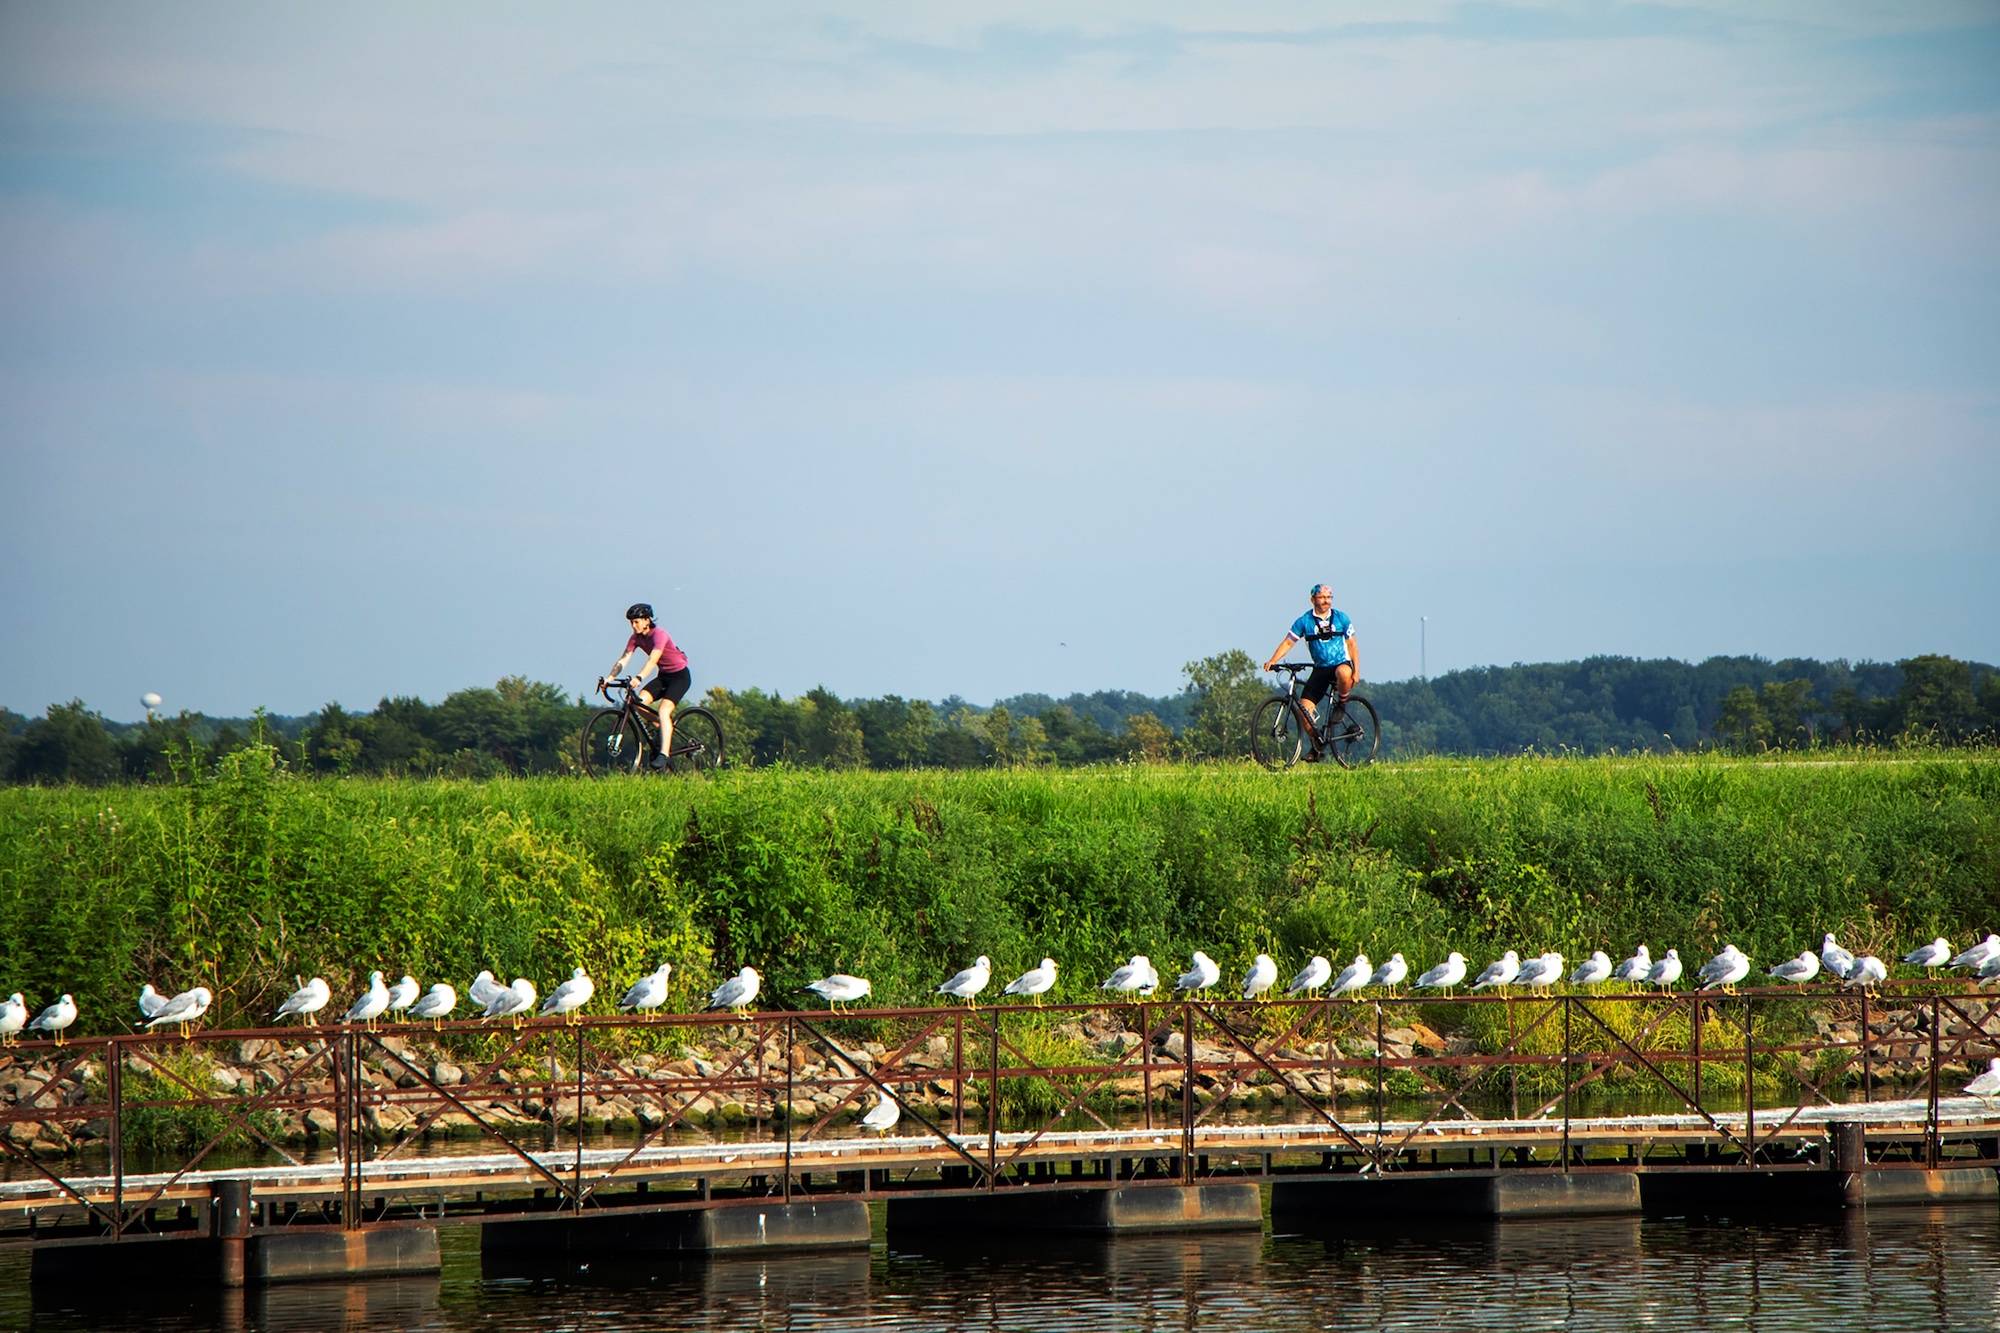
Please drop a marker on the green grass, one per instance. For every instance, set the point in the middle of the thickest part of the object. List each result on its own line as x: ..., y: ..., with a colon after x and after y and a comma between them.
x: 246, y: 880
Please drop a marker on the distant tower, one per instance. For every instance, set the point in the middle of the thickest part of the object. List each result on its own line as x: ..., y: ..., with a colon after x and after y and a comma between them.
x: 152, y: 702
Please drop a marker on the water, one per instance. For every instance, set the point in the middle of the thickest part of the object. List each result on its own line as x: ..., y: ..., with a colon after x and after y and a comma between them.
x: 1886, y: 1270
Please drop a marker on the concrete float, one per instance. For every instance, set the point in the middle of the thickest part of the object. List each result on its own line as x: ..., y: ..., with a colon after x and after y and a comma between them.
x: 757, y: 1227
x: 1117, y: 1211
x: 1309, y: 1204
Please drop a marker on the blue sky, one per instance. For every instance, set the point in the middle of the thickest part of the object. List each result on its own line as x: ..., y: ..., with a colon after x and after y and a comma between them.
x: 982, y: 349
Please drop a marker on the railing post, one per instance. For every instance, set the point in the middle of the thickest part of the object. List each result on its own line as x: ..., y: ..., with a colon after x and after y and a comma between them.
x: 1567, y: 1000
x: 576, y: 1194
x: 1931, y: 1128
x: 1378, y: 1085
x: 1187, y: 1091
x: 958, y: 1075
x: 1513, y: 1067
x: 1694, y: 1042
x: 1749, y: 1084
x: 115, y: 1076
x: 1146, y: 1063
x: 1867, y: 1052
x: 788, y: 1109
x: 993, y: 1101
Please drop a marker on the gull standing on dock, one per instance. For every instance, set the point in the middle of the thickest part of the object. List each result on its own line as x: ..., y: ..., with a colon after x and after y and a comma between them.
x: 1205, y: 973
x: 13, y: 1017
x: 1838, y: 960
x: 1798, y: 970
x: 371, y: 1004
x: 1035, y: 982
x: 1868, y: 970
x: 1988, y: 1083
x: 1666, y: 972
x: 182, y: 1010
x: 1263, y: 975
x: 55, y: 1019
x: 1352, y: 977
x: 840, y: 988
x: 1935, y: 954
x: 1390, y: 975
x: 306, y: 1001
x: 484, y: 990
x: 1137, y: 975
x: 1500, y: 972
x: 968, y: 984
x: 1594, y: 970
x: 512, y: 1001
x: 1636, y: 968
x: 403, y: 994
x: 882, y: 1116
x: 1540, y: 973
x: 435, y: 1003
x: 737, y: 992
x: 1445, y: 975
x: 1989, y: 971
x: 648, y: 992
x: 150, y: 1001
x: 1723, y: 971
x: 571, y: 996
x: 1311, y: 977
x: 1979, y: 954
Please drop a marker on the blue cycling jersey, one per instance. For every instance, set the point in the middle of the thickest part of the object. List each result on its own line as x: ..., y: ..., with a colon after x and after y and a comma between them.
x: 1325, y: 639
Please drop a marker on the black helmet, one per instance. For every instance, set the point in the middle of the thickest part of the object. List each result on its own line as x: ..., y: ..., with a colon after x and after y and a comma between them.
x: 639, y: 611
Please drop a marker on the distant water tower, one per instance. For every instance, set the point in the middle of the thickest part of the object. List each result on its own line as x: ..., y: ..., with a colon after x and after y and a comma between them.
x: 152, y: 702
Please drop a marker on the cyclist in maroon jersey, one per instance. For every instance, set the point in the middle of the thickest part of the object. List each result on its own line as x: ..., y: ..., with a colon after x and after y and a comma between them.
x: 668, y: 664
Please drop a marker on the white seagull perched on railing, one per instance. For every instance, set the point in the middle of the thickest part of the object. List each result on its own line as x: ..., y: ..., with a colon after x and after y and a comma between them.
x: 484, y: 990
x: 435, y: 1003
x: 1989, y: 971
x: 1541, y: 972
x: 1636, y: 968
x: 1593, y: 971
x: 968, y: 984
x: 1988, y: 1083
x: 1137, y: 975
x: 1201, y: 976
x: 1035, y: 982
x: 13, y: 1017
x: 737, y: 992
x: 150, y: 1001
x: 571, y: 996
x: 1445, y: 975
x: 1263, y: 975
x: 1390, y: 975
x: 1868, y: 970
x: 1312, y: 977
x: 182, y: 1010
x: 1352, y: 977
x: 1979, y: 954
x: 404, y: 994
x: 306, y: 1001
x: 1723, y: 971
x: 1798, y: 970
x: 1666, y: 972
x: 513, y: 1001
x: 1935, y: 954
x: 55, y: 1019
x: 369, y: 1007
x: 882, y: 1116
x: 1500, y: 972
x: 840, y: 988
x: 648, y: 992
x: 1838, y: 960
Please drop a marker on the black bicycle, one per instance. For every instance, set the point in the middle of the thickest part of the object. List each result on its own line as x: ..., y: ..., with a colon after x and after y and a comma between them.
x: 623, y: 740
x: 1282, y: 732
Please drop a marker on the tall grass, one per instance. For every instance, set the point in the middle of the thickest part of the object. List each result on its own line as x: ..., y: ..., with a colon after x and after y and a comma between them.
x: 244, y: 880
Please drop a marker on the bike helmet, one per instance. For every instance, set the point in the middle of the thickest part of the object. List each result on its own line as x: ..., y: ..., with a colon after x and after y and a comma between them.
x: 639, y: 611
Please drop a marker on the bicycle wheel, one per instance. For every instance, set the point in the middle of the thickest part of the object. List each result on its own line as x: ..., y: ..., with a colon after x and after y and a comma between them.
x: 697, y: 746
x: 1277, y: 733
x: 1353, y: 734
x: 613, y: 744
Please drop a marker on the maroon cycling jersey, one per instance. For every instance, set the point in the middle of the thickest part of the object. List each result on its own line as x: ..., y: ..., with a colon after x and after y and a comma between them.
x: 671, y: 657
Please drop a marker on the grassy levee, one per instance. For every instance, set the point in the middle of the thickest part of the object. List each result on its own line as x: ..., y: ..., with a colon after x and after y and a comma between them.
x: 246, y: 880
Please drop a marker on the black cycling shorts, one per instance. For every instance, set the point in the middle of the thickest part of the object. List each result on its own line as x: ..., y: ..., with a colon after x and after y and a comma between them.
x: 1321, y: 680
x: 668, y: 685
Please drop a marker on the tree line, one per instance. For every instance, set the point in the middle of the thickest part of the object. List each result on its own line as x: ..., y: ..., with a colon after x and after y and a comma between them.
x: 1597, y: 705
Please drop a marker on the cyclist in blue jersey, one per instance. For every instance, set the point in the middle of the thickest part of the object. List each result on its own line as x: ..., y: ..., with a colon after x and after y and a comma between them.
x: 1329, y: 637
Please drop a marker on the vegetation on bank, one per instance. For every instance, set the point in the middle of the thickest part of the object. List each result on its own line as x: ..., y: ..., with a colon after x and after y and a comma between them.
x: 245, y: 880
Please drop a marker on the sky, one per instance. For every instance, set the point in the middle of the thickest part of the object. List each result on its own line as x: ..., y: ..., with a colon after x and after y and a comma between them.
x: 979, y: 349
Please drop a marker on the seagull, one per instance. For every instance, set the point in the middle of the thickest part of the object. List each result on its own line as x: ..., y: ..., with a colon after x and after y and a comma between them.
x: 571, y: 996
x: 1977, y: 956
x: 1312, y: 977
x: 840, y: 988
x: 1445, y: 975
x: 648, y: 992
x: 1203, y: 975
x: 1867, y: 971
x: 1353, y: 977
x: 1799, y: 970
x: 1636, y: 968
x: 403, y: 994
x: 1034, y: 983
x: 306, y: 1001
x: 13, y: 1017
x: 56, y: 1018
x: 1667, y: 971
x: 438, y: 1001
x: 1838, y: 960
x: 1137, y: 975
x: 1540, y: 973
x: 1390, y: 975
x: 150, y: 1001
x: 484, y: 989
x: 737, y: 992
x: 1935, y: 954
x: 182, y: 1010
x: 1988, y: 1083
x: 967, y: 984
x: 371, y: 1004
x: 1723, y: 971
x: 1152, y: 979
x: 1499, y: 973
x: 512, y: 1001
x: 1263, y: 975
x: 882, y: 1116
x: 1595, y: 969
x: 1989, y: 971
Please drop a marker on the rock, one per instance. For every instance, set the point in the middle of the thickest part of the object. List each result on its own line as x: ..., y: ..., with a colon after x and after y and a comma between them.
x: 320, y: 1121
x: 255, y: 1050
x: 446, y: 1074
x: 226, y: 1078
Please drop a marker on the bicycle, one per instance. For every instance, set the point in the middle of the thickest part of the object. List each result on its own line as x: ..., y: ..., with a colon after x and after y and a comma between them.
x: 1280, y: 729
x: 623, y: 740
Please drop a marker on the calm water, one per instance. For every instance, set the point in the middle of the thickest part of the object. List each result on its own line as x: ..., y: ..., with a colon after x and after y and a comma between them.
x: 1895, y: 1269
